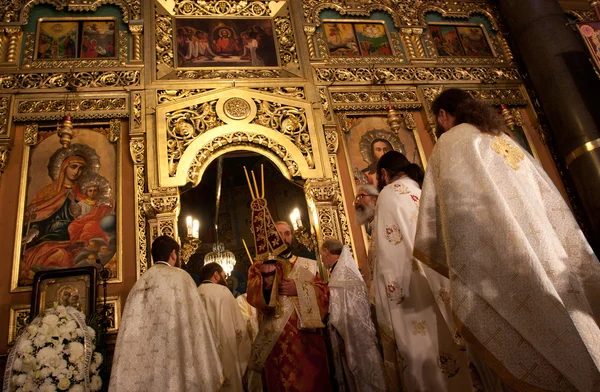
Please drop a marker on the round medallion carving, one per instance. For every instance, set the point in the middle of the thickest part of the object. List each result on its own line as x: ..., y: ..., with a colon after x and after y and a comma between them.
x: 236, y: 108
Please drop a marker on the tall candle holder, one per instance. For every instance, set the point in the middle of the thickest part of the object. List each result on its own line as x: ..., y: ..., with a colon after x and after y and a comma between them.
x: 191, y: 242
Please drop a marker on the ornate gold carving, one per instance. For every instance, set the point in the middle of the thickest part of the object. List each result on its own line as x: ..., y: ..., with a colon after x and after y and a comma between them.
x: 4, y: 153
x: 291, y: 92
x: 137, y: 149
x: 4, y: 114
x: 114, y: 130
x: 229, y: 74
x: 223, y: 8
x: 409, y: 121
x: 167, y: 227
x: 498, y: 96
x: 29, y: 60
x: 403, y: 13
x: 287, y: 43
x: 431, y: 93
x: 161, y: 201
x: 290, y: 121
x: 26, y: 81
x: 189, y: 247
x: 382, y: 99
x: 408, y: 44
x: 457, y: 9
x: 164, y: 44
x: 17, y: 321
x: 184, y: 125
x: 137, y: 120
x: 58, y: 105
x: 239, y: 139
x: 331, y: 139
x: 236, y: 108
x: 166, y: 96
x: 413, y: 74
x: 31, y: 134
x: 325, y: 104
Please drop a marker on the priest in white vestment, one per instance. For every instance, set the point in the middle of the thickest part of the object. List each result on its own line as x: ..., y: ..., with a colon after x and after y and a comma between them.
x: 525, y: 284
x: 356, y: 358
x: 165, y: 341
x: 420, y: 351
x: 227, y: 323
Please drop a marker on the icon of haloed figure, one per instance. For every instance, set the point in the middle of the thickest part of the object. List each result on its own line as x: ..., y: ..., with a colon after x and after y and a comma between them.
x: 373, y: 144
x: 66, y: 214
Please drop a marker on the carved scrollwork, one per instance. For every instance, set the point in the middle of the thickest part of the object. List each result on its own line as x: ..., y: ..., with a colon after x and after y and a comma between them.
x: 321, y: 190
x: 431, y: 93
x: 166, y: 96
x: 287, y: 43
x: 403, y: 13
x: 137, y: 149
x: 31, y: 134
x: 4, y: 114
x: 236, y: 108
x: 342, y: 214
x: 325, y: 103
x: 239, y: 139
x: 74, y: 105
x: 513, y: 96
x: 291, y: 92
x: 167, y: 227
x: 162, y: 201
x: 412, y: 75
x: 223, y: 8
x: 60, y: 80
x: 29, y: 60
x: 184, y: 125
x: 114, y: 130
x: 331, y: 139
x: 456, y: 9
x: 229, y: 74
x: 164, y: 44
x: 290, y: 121
x: 137, y: 122
x: 388, y: 97
x: 4, y: 154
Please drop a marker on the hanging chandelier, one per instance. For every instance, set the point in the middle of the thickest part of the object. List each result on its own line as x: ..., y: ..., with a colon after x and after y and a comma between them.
x: 219, y: 254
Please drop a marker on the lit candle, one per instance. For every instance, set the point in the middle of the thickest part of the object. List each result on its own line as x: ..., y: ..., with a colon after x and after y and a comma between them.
x: 293, y: 220
x: 196, y: 229
x: 188, y: 223
x: 298, y: 220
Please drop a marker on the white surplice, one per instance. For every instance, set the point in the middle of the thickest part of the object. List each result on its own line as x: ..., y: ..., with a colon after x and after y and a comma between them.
x: 525, y: 284
x: 420, y: 351
x: 250, y: 316
x: 358, y: 365
x: 230, y: 330
x: 165, y: 341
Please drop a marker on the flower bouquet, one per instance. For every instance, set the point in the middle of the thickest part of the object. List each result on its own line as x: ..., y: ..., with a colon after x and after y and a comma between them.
x: 55, y: 352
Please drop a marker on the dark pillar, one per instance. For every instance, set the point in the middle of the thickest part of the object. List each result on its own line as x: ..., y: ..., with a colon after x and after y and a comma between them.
x: 568, y: 90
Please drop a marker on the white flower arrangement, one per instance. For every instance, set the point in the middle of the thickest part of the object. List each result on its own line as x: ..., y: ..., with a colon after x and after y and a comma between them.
x: 55, y: 353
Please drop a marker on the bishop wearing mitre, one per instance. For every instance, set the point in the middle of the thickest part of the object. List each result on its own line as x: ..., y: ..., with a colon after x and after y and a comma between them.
x: 289, y: 352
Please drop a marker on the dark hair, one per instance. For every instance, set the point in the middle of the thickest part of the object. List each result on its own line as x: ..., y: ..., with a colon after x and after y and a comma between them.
x: 162, y: 248
x: 395, y: 163
x: 209, y: 270
x: 466, y: 109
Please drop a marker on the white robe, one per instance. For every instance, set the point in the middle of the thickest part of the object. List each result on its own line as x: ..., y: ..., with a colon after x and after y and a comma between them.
x: 352, y: 333
x: 250, y: 316
x: 420, y: 352
x: 165, y: 342
x: 525, y: 284
x: 230, y: 330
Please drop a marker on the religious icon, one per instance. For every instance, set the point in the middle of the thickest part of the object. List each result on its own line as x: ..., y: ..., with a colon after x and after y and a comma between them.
x: 70, y: 212
x: 98, y: 39
x: 244, y: 42
x: 460, y: 40
x: 357, y: 39
x: 371, y: 137
x: 57, y: 40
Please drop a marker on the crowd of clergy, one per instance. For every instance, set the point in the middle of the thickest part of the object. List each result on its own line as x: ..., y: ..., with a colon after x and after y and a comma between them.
x: 479, y: 279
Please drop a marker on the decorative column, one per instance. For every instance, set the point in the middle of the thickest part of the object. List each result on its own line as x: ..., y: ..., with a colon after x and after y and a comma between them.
x: 567, y: 88
x: 162, y: 209
x: 13, y: 33
x: 5, y: 137
x: 310, y: 39
x: 136, y: 28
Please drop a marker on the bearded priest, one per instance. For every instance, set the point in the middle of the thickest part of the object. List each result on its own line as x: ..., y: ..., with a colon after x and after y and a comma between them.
x: 165, y: 342
x: 227, y: 323
x: 289, y: 351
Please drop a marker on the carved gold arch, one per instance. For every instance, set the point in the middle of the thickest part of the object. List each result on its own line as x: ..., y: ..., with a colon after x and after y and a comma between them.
x: 466, y: 10
x: 192, y: 131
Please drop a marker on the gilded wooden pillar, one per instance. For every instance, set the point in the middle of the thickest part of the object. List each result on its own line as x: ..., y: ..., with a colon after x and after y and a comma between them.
x: 13, y: 34
x: 310, y: 39
x: 136, y: 30
x: 162, y: 209
x: 5, y: 137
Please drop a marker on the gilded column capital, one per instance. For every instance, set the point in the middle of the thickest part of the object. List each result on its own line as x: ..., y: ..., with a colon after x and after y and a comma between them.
x: 322, y: 190
x: 161, y: 201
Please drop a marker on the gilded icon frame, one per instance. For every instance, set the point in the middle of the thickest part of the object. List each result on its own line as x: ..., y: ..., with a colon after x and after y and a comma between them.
x: 488, y: 39
x: 31, y: 141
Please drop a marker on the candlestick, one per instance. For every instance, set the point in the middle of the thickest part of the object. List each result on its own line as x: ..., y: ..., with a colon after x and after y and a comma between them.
x: 196, y: 229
